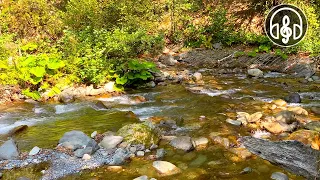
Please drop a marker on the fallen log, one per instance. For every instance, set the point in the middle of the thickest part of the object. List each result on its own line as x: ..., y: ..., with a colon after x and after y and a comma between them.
x: 290, y: 155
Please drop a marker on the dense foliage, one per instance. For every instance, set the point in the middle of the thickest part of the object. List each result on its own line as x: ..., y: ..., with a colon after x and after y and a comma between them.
x: 47, y: 45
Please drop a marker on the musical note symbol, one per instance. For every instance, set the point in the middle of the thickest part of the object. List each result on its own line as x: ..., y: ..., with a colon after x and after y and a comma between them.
x: 285, y: 31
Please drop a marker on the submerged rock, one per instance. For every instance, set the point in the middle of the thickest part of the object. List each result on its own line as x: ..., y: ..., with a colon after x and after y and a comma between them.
x: 8, y: 150
x: 316, y: 110
x: 278, y: 127
x: 314, y: 125
x: 17, y: 130
x: 141, y: 178
x: 183, y: 143
x: 165, y: 168
x: 279, y: 102
x: 304, y: 136
x: 234, y: 122
x: 287, y: 117
x: 139, y: 134
x: 279, y: 176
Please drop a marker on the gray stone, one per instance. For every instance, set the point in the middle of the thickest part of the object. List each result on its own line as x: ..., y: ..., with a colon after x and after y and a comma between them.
x: 34, y: 151
x: 80, y: 152
x: 8, y: 150
x: 293, y: 98
x: 255, y: 72
x: 74, y: 140
x: 140, y: 153
x: 119, y: 157
x: 315, y: 78
x: 168, y: 60
x: 160, y: 153
x: 183, y: 143
x: 279, y: 176
x: 217, y: 45
x: 110, y: 142
x: 246, y: 170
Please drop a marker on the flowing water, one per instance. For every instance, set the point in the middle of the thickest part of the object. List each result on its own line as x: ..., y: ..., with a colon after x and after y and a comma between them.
x: 226, y: 94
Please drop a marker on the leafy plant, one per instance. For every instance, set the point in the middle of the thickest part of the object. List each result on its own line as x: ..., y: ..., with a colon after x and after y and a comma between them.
x: 134, y: 72
x: 278, y: 52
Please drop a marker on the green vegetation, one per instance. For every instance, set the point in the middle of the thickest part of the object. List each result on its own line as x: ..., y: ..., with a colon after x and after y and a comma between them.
x: 47, y: 45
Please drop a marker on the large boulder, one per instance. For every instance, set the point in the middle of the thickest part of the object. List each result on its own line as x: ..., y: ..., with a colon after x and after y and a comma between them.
x: 139, y: 134
x: 9, y: 150
x: 183, y: 143
x: 78, y: 140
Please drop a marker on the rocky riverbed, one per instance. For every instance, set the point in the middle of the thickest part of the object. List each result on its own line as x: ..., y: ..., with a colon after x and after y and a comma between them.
x: 188, y: 126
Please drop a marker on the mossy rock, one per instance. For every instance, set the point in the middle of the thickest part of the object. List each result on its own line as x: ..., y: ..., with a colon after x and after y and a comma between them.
x: 139, y: 134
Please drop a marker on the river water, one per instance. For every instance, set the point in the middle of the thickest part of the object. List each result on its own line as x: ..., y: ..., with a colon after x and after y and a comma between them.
x: 219, y: 96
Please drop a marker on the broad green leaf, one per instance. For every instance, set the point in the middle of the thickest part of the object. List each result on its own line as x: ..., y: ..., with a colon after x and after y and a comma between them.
x: 121, y: 80
x: 38, y: 71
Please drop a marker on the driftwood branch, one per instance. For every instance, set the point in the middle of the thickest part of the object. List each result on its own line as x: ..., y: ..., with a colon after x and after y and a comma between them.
x: 290, y: 155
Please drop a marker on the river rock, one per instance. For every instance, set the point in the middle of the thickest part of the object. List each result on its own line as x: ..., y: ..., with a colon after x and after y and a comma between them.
x: 141, y: 178
x: 67, y: 96
x: 279, y: 102
x: 86, y: 157
x: 110, y: 142
x: 293, y: 98
x: 234, y: 122
x: 220, y: 140
x: 278, y: 127
x: 200, y: 142
x: 160, y: 153
x: 34, y: 151
x: 168, y: 60
x: 298, y: 110
x: 77, y: 140
x: 316, y: 110
x: 279, y: 176
x: 120, y: 156
x: 8, y: 150
x: 241, y: 152
x: 109, y: 87
x: 255, y: 72
x: 17, y: 130
x: 197, y: 76
x: 304, y: 136
x: 183, y: 143
x: 139, y: 134
x: 313, y: 125
x: 140, y: 153
x: 255, y: 117
x: 287, y: 117
x: 165, y: 168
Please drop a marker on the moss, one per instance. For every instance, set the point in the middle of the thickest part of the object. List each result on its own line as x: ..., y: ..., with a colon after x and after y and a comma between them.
x: 139, y: 134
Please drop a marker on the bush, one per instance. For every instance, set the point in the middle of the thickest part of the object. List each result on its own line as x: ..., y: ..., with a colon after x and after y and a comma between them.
x: 92, y: 52
x: 31, y: 19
